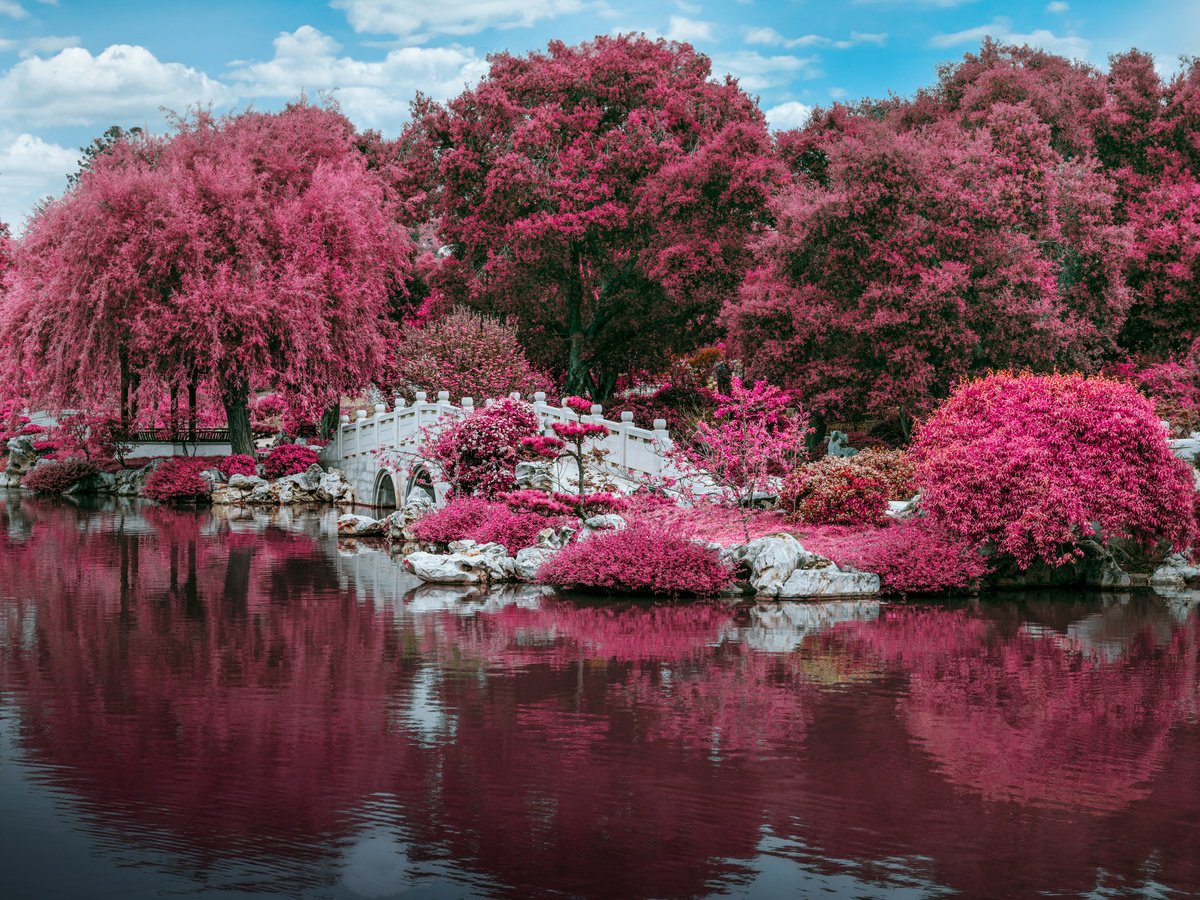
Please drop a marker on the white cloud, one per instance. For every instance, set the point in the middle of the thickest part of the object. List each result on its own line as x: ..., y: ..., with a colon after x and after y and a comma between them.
x: 690, y: 30
x: 772, y: 38
x: 12, y: 9
x: 1057, y: 6
x: 1001, y: 30
x: 7, y: 44
x: 838, y: 93
x: 756, y: 72
x: 30, y: 169
x: 49, y: 43
x: 123, y: 82
x: 419, y: 20
x: 791, y: 114
x: 372, y: 94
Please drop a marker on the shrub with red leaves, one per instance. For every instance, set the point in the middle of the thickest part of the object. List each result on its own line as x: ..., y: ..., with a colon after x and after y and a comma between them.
x: 178, y: 480
x: 237, y: 464
x: 288, y: 459
x: 56, y: 476
x: 894, y: 468
x: 834, y: 491
x: 911, y: 557
x: 1034, y: 464
x: 476, y: 519
x: 640, y: 559
x: 478, y: 454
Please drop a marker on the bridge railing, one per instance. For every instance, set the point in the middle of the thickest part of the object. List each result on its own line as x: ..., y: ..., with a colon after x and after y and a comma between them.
x: 633, y: 450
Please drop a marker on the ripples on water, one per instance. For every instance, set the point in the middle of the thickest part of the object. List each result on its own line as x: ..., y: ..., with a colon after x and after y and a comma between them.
x: 231, y: 703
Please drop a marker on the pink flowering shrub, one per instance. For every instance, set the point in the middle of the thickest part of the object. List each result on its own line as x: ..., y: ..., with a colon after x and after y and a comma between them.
x: 582, y: 506
x: 707, y: 522
x: 834, y: 491
x: 910, y: 557
x: 237, y: 464
x: 288, y: 459
x: 178, y: 480
x: 478, y: 454
x: 476, y: 519
x: 894, y: 468
x: 468, y: 355
x: 750, y: 442
x: 639, y: 559
x: 1034, y: 464
x: 47, y: 446
x: 56, y: 476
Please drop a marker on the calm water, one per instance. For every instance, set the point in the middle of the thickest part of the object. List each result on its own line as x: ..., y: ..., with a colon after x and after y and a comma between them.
x: 233, y: 704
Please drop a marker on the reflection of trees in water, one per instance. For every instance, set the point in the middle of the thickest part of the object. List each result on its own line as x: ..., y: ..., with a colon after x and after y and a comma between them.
x: 213, y: 691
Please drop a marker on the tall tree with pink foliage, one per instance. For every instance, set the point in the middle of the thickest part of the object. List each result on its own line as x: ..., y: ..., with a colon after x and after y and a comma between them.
x: 601, y: 193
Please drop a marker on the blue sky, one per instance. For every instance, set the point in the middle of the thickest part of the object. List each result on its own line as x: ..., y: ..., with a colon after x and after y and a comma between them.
x: 71, y: 68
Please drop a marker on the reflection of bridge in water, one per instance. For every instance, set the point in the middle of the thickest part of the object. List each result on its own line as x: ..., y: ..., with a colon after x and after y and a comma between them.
x: 378, y: 451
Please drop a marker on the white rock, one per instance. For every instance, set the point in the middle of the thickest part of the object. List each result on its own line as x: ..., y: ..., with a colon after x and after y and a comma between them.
x: 1187, y: 449
x: 246, y: 482
x: 904, y: 509
x: 829, y: 581
x: 460, y: 546
x: 1175, y: 573
x: 400, y: 523
x: 610, y: 522
x: 479, y: 563
x: 773, y: 559
x: 529, y: 559
x: 535, y: 476
x: 351, y: 525
x: 555, y: 538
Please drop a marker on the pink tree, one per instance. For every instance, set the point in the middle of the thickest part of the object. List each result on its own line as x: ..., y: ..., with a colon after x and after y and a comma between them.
x: 246, y: 251
x: 908, y: 260
x: 750, y: 444
x: 602, y: 194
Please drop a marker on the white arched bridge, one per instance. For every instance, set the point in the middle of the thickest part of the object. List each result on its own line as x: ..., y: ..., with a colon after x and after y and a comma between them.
x: 379, y: 451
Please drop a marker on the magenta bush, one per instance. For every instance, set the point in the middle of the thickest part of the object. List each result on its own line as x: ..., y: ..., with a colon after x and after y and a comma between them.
x: 835, y: 491
x: 640, y: 559
x: 455, y: 521
x: 911, y: 557
x: 478, y: 454
x: 1033, y: 464
x: 55, y: 476
x: 476, y: 519
x: 178, y: 480
x: 237, y: 464
x: 288, y: 459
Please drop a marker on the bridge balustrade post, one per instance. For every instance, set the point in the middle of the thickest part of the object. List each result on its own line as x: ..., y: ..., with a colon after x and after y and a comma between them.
x: 661, y: 440
x: 541, y: 408
x: 623, y: 431
x: 343, y: 421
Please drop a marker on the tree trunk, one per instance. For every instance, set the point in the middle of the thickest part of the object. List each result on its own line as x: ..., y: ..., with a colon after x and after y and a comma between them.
x: 192, y: 409
x: 816, y: 436
x: 330, y: 419
x: 237, y: 412
x: 174, y: 406
x: 123, y: 356
x: 906, y: 424
x: 578, y: 380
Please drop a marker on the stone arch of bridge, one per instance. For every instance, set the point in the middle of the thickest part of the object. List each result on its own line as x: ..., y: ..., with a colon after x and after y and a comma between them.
x: 385, y: 494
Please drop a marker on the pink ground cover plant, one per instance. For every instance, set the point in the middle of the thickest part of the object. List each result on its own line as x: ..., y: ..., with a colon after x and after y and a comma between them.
x: 56, y: 476
x: 910, y: 557
x: 288, y: 459
x: 178, y: 480
x: 708, y: 522
x: 1035, y: 464
x: 640, y: 559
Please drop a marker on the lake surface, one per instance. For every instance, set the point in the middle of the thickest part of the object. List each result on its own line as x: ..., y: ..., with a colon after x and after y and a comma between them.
x: 230, y: 703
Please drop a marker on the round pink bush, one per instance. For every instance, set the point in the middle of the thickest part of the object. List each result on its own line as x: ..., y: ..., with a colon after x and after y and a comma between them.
x: 178, y: 480
x: 288, y: 459
x: 56, y: 476
x: 478, y: 454
x: 640, y: 559
x: 835, y: 491
x: 237, y: 464
x: 1033, y: 464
